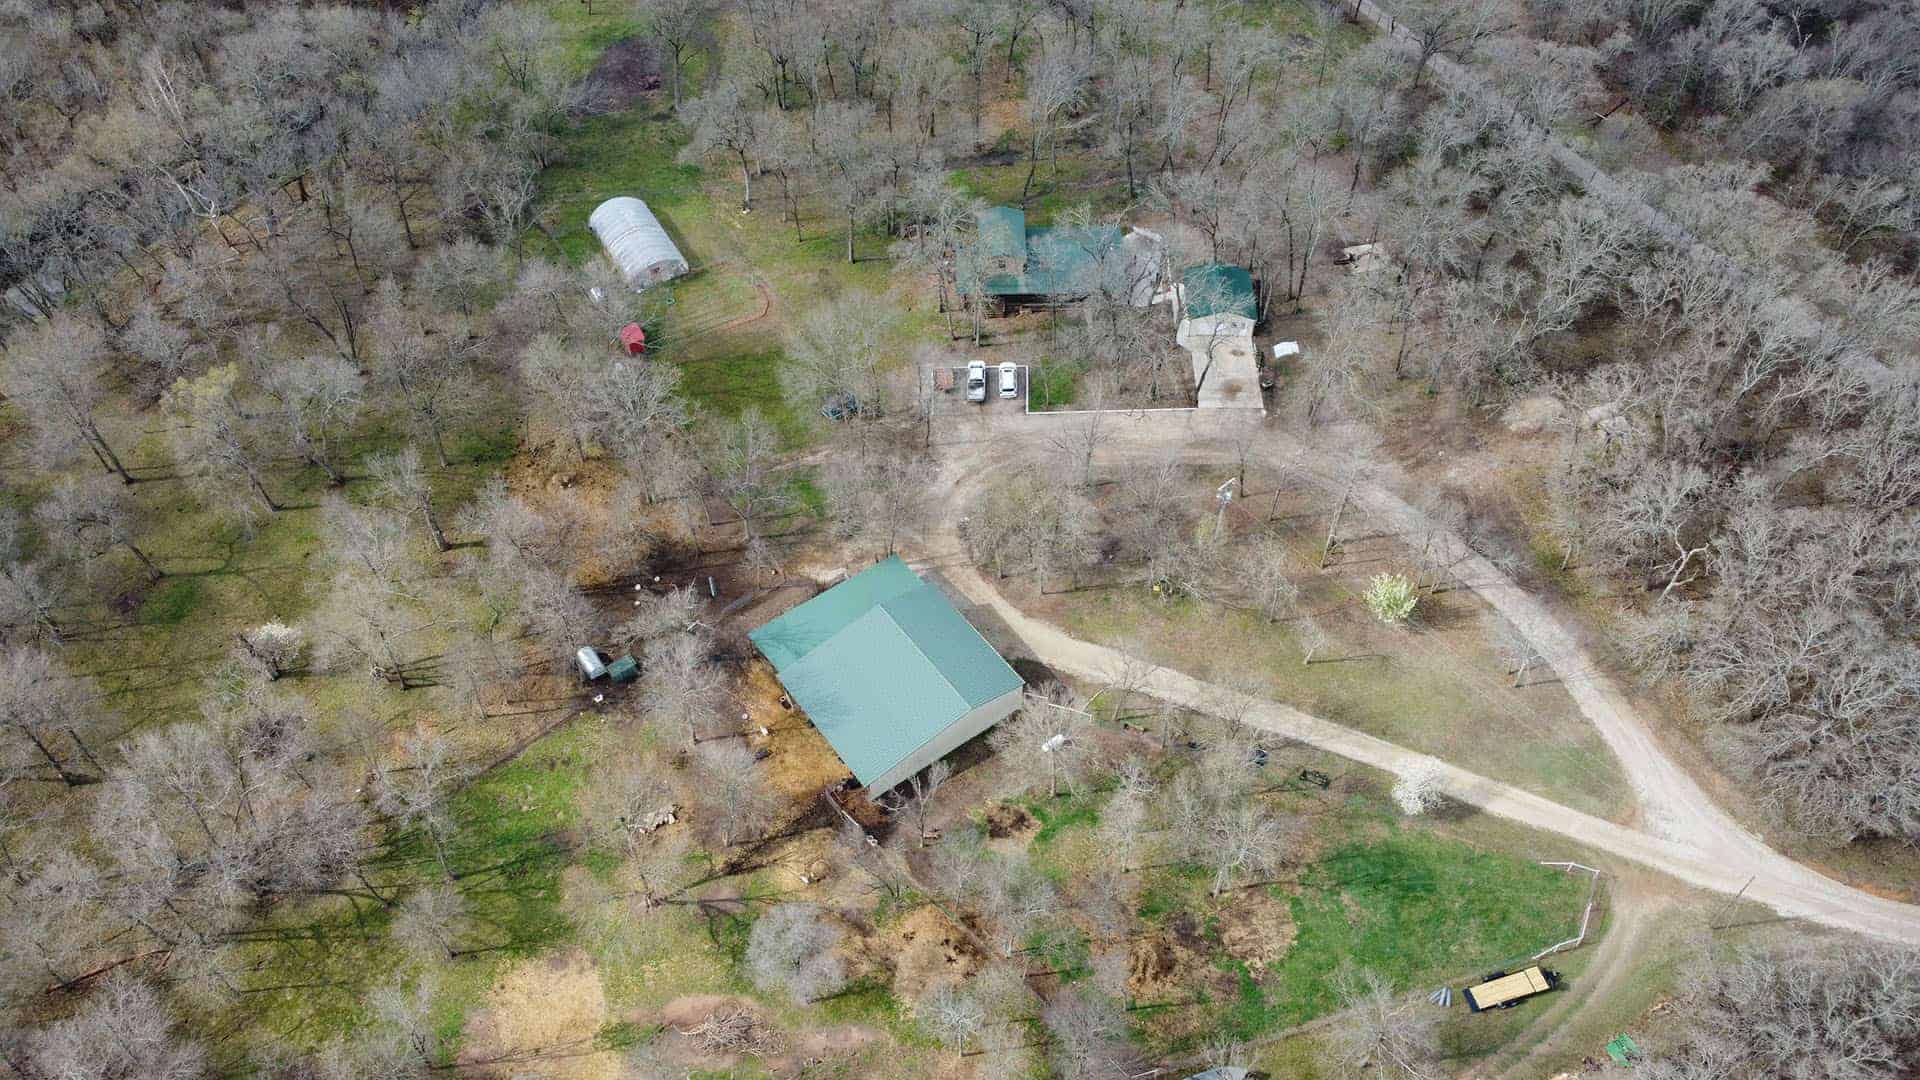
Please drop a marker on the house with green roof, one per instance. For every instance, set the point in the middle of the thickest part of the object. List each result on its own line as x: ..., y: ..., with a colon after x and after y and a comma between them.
x: 1218, y: 309
x: 890, y: 672
x: 1039, y: 264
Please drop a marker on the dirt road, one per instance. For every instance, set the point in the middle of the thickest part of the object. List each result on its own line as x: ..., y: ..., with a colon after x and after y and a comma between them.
x: 1689, y: 836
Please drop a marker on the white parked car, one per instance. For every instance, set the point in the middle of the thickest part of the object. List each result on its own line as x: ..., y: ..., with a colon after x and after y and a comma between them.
x: 977, y: 381
x: 1009, y: 379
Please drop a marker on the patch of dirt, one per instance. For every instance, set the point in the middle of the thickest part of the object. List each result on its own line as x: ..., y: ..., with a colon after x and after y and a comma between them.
x: 927, y: 949
x: 1005, y: 821
x: 799, y: 764
x: 1257, y: 930
x: 721, y: 1032
x: 1172, y: 963
x: 716, y: 1032
x: 815, y: 1049
x: 539, y: 1020
x: 627, y: 72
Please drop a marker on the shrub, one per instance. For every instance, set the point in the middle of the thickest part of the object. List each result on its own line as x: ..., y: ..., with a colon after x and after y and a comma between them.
x: 1391, y: 598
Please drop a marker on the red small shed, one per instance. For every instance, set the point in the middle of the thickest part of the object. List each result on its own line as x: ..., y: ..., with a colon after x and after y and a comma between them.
x: 633, y: 339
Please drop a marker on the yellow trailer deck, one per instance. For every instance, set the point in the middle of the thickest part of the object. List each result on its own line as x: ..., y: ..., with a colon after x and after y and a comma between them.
x: 1508, y: 989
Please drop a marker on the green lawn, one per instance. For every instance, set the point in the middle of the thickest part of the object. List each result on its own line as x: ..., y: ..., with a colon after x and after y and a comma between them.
x: 1053, y: 384
x: 1414, y: 907
x: 311, y: 972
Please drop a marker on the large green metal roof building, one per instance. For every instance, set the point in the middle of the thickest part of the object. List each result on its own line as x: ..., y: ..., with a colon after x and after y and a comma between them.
x: 889, y: 672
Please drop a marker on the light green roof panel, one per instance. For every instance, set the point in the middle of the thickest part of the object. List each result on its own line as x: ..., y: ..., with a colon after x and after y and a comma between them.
x: 802, y: 629
x: 874, y: 695
x: 1219, y: 289
x: 976, y: 672
x: 1003, y: 232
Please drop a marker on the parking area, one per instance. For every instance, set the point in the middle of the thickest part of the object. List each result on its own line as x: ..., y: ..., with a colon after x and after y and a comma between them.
x: 1000, y: 392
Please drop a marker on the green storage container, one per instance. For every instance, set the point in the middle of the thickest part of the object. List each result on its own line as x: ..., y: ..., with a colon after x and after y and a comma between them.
x: 625, y: 669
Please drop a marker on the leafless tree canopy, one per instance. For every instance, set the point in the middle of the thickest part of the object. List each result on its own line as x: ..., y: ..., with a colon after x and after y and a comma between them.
x: 793, y: 949
x: 1846, y: 1013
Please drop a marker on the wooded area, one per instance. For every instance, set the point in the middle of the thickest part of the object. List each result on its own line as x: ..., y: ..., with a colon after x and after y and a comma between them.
x: 320, y: 459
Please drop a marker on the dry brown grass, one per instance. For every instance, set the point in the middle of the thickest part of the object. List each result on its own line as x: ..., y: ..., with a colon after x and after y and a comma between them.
x: 801, y: 764
x: 539, y: 1020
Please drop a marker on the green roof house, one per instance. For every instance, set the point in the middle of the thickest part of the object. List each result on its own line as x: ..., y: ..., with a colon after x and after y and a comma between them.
x: 889, y: 672
x: 1056, y: 262
x: 1219, y: 289
x: 1218, y: 309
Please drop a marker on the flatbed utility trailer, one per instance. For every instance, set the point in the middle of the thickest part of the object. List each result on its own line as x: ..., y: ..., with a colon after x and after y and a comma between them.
x: 1503, y: 991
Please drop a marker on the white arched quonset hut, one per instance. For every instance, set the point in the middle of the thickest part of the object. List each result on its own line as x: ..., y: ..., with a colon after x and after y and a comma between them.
x: 636, y: 241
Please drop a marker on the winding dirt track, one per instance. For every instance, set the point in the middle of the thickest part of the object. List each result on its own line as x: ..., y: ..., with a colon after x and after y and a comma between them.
x: 1688, y: 837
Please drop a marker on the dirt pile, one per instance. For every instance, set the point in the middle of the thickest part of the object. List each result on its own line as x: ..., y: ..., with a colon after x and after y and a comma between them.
x: 926, y: 949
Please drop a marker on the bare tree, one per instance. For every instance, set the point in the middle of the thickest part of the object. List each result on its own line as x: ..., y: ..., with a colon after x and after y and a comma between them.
x: 681, y: 26
x: 430, y: 922
x: 1056, y: 84
x: 363, y: 623
x: 1029, y: 524
x: 43, y: 710
x: 725, y: 122
x: 221, y: 440
x: 404, y: 485
x: 1089, y: 1035
x: 1444, y: 26
x: 794, y: 949
x: 55, y: 375
x: 844, y: 157
x: 1838, y: 1011
x: 736, y: 802
x: 1381, y: 1033
x: 1219, y: 825
x: 123, y: 1032
x: 955, y: 1016
x: 683, y: 689
x: 95, y: 516
x: 415, y: 791
x: 430, y: 374
x: 921, y: 789
x: 317, y: 400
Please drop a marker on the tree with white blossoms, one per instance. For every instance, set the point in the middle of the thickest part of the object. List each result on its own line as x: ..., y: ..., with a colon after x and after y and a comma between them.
x: 274, y: 646
x: 1420, y: 788
x: 1391, y: 598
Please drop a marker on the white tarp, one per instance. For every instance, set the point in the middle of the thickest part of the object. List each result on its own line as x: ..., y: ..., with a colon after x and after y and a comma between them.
x: 636, y: 241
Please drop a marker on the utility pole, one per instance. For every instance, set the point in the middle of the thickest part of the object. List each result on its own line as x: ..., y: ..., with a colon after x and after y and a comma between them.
x: 1714, y: 923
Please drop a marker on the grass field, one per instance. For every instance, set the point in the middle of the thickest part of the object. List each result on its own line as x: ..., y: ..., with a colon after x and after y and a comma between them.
x: 1414, y: 907
x: 1410, y: 689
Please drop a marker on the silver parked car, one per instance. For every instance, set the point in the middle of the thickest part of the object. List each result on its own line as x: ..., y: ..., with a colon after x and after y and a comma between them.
x: 977, y: 381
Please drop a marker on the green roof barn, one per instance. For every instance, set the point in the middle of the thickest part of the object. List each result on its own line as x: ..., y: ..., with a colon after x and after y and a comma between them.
x: 889, y: 672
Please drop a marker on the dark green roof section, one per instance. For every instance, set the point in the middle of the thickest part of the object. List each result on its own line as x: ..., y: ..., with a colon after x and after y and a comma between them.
x: 1219, y: 289
x: 883, y: 663
x: 1003, y: 232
